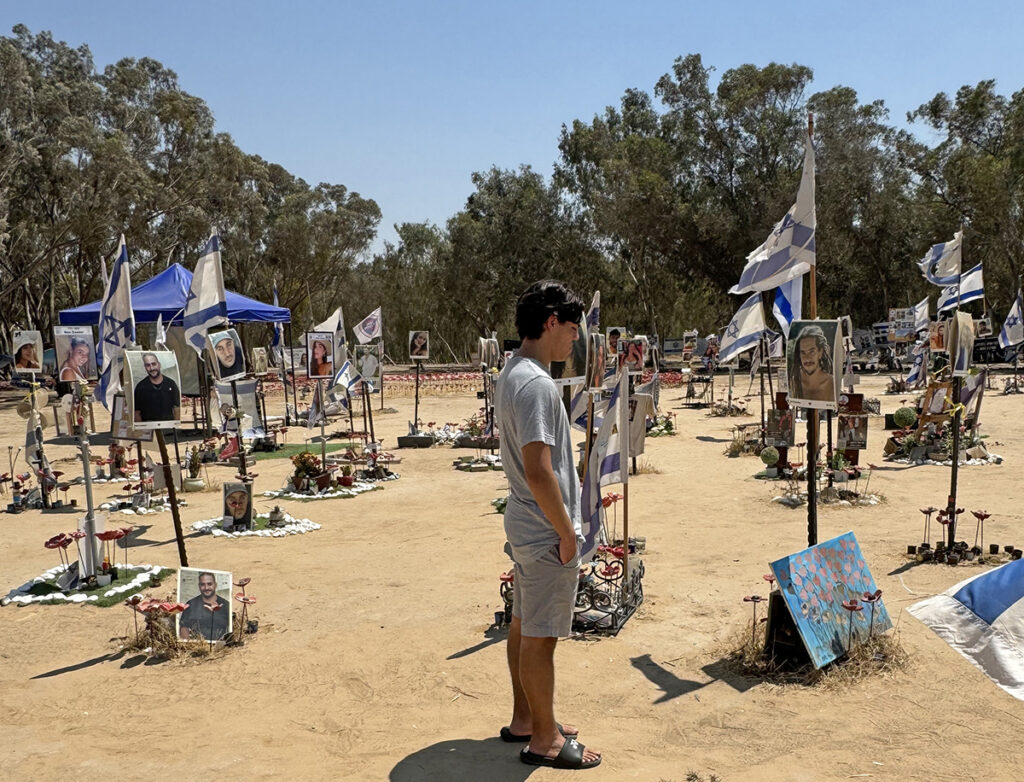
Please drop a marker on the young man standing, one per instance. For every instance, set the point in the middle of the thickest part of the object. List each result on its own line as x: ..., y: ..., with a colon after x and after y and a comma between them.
x: 542, y: 521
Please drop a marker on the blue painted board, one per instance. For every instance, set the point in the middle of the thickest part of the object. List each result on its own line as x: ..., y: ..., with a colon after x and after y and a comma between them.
x: 815, y: 582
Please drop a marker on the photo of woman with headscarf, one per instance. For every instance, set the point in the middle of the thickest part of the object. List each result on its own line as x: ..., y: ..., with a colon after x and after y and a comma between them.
x: 319, y: 354
x: 228, y: 358
x: 810, y: 360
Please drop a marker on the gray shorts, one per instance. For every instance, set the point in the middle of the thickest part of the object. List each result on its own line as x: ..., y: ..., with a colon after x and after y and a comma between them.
x: 544, y: 593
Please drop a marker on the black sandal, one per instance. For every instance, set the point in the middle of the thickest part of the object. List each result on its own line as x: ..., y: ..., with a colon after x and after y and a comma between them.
x: 570, y: 756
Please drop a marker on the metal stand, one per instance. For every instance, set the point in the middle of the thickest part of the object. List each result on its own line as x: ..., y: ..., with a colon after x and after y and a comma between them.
x: 416, y: 406
x: 89, y: 523
x: 242, y: 466
x: 951, y: 502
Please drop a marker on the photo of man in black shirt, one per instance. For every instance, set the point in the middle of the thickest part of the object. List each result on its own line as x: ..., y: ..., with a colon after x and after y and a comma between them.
x: 157, y: 397
x: 208, y: 615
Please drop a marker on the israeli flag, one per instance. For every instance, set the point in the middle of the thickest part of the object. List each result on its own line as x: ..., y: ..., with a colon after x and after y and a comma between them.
x: 369, y: 327
x: 1013, y: 328
x: 941, y: 266
x: 594, y: 314
x: 744, y: 330
x: 336, y: 325
x: 347, y: 376
x: 921, y: 316
x: 205, y: 306
x: 982, y: 618
x: 609, y: 463
x: 788, y: 305
x: 789, y: 251
x: 917, y: 372
x: 116, y: 328
x: 971, y: 287
x: 278, y: 327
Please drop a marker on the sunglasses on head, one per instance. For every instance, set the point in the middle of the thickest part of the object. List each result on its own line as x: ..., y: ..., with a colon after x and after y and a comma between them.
x: 569, y: 313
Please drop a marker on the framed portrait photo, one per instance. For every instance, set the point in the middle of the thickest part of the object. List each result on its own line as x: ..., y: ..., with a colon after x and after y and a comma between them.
x: 960, y: 343
x: 238, y: 505
x: 612, y: 336
x: 153, y: 389
x: 121, y: 425
x: 28, y: 351
x: 320, y: 355
x: 853, y: 433
x: 814, y: 364
x: 76, y: 353
x: 419, y: 345
x: 368, y: 364
x: 632, y: 354
x: 259, y: 362
x: 207, y: 593
x: 226, y: 355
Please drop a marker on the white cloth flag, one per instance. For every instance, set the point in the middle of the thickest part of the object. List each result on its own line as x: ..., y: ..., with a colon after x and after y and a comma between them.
x: 982, y: 618
x: 205, y: 306
x: 971, y: 287
x: 609, y: 463
x: 369, y: 327
x: 336, y: 325
x: 1013, y: 328
x: 788, y: 305
x: 744, y: 330
x: 921, y: 317
x: 941, y: 266
x: 789, y: 251
x: 116, y: 328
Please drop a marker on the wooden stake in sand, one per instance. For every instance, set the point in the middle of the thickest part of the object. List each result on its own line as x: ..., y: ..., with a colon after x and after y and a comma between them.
x: 172, y: 494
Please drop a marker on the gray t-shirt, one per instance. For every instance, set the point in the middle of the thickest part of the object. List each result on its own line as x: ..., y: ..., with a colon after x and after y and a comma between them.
x: 529, y: 409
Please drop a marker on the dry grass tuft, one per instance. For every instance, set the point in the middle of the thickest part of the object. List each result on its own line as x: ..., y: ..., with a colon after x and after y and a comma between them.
x: 646, y: 467
x: 881, y: 655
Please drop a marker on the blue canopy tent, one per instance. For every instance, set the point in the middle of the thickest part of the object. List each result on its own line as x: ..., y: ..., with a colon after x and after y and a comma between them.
x: 166, y: 293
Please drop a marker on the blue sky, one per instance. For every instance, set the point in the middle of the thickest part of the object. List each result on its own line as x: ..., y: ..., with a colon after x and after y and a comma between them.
x: 402, y: 101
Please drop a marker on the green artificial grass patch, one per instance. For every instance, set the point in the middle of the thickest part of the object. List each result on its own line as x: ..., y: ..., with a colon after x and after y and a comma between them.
x: 288, y: 451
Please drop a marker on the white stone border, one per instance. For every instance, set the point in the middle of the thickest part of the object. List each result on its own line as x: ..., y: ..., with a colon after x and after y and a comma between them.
x: 292, y: 526
x: 350, y: 491
x: 21, y: 596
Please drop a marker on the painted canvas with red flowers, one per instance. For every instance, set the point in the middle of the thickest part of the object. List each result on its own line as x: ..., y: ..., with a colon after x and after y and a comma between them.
x: 816, y: 582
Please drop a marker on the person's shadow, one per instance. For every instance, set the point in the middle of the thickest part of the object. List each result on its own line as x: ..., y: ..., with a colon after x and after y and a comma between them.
x: 463, y: 759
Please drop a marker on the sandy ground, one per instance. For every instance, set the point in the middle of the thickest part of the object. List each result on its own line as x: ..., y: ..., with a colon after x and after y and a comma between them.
x: 374, y: 661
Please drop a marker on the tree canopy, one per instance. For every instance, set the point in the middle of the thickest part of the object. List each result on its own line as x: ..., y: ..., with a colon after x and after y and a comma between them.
x: 656, y: 201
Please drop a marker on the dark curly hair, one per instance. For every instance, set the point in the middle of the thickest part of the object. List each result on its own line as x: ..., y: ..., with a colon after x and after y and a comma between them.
x: 542, y: 300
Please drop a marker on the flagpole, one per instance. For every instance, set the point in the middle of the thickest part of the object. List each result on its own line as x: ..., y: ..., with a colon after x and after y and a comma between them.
x: 242, y: 467
x: 381, y: 368
x: 760, y: 349
x: 812, y: 414
x: 295, y: 376
x: 955, y: 456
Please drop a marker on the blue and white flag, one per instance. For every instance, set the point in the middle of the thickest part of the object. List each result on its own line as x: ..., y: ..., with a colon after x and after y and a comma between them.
x: 347, y: 376
x: 205, y: 306
x: 918, y: 374
x: 941, y: 266
x: 982, y: 618
x: 788, y: 305
x: 788, y: 252
x: 1013, y: 327
x: 594, y: 314
x: 921, y: 317
x: 116, y: 328
x: 608, y: 463
x: 744, y: 330
x: 336, y: 325
x: 278, y: 327
x: 369, y: 327
x: 971, y: 287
